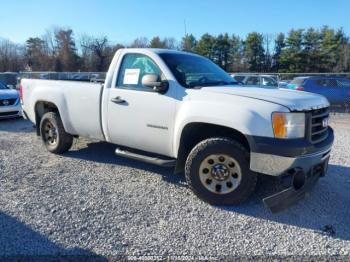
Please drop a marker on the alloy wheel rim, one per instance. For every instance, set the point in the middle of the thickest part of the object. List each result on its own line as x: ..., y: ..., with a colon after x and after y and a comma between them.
x: 220, y: 174
x: 50, y: 133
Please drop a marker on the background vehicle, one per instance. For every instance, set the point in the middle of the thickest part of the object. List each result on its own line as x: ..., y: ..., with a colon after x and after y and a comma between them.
x: 262, y: 81
x: 10, y: 105
x: 178, y: 109
x: 9, y: 79
x: 335, y: 89
x: 283, y: 83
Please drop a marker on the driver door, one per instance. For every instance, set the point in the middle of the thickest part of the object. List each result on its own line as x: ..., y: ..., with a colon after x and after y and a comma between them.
x: 139, y: 117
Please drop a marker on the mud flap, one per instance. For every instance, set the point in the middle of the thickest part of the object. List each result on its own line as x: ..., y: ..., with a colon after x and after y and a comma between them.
x: 288, y: 197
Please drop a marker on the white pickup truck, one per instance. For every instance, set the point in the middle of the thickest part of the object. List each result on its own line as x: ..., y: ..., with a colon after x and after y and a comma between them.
x: 179, y: 109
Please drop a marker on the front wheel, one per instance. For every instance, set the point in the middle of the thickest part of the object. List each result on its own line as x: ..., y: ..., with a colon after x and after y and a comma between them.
x: 217, y: 170
x: 53, y: 135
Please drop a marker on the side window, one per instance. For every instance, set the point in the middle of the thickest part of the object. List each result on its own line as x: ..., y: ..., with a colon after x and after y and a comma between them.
x: 326, y: 83
x: 239, y: 78
x: 343, y: 83
x: 252, y: 80
x: 331, y: 83
x: 319, y: 82
x: 267, y: 81
x: 133, y: 68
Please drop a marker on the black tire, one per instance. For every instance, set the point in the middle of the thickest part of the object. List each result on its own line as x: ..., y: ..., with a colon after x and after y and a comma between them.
x: 63, y: 141
x: 217, y: 146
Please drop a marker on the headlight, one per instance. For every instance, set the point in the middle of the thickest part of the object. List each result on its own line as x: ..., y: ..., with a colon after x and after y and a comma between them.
x: 288, y: 125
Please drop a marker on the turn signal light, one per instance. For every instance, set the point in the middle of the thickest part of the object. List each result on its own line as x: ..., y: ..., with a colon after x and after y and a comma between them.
x: 288, y: 125
x: 279, y: 125
x: 21, y: 92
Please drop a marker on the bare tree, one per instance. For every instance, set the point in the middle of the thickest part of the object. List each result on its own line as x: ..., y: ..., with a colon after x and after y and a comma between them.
x: 170, y: 43
x: 96, y: 50
x: 140, y: 42
x: 11, y: 56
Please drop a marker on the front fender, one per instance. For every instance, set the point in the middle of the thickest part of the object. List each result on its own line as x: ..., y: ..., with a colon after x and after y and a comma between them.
x: 248, y: 116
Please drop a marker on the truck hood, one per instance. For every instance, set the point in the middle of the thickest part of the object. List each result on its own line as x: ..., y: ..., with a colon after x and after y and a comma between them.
x: 8, y: 94
x: 292, y: 99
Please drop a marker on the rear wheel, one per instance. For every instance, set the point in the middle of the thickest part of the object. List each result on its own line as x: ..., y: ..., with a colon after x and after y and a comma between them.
x: 217, y: 170
x: 53, y: 135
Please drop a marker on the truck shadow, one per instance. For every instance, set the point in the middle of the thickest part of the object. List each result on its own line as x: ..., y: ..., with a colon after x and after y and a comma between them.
x: 19, y: 242
x: 102, y: 152
x: 326, y: 210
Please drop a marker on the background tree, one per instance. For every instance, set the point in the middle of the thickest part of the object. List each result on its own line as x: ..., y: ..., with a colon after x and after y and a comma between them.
x: 156, y: 42
x: 12, y: 56
x: 292, y: 56
x: 235, y: 54
x: 205, y: 46
x: 254, y: 51
x: 311, y: 50
x: 189, y: 43
x: 67, y: 58
x: 95, y: 53
x: 306, y: 51
x: 141, y: 42
x: 222, y: 50
x: 35, y: 54
x: 279, y: 45
x: 342, y: 57
x: 170, y: 43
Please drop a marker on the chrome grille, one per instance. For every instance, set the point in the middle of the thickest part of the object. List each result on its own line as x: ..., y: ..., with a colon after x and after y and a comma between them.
x: 319, y: 125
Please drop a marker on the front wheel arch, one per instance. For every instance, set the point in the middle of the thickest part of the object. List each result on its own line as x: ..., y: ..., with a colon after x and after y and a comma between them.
x: 194, y: 133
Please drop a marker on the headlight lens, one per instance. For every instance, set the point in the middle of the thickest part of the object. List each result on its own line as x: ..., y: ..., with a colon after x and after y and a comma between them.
x: 288, y: 125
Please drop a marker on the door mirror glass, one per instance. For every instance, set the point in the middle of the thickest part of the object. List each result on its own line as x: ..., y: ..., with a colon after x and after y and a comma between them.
x: 154, y: 81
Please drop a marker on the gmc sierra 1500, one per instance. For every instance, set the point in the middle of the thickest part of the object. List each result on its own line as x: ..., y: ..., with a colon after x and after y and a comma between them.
x: 178, y: 109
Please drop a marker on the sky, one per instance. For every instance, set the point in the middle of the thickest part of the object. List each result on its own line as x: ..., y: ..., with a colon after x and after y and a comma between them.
x: 124, y: 20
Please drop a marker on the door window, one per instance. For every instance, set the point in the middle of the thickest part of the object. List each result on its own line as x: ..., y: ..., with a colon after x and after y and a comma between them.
x: 252, y: 80
x: 326, y: 82
x: 133, y: 68
x: 269, y: 82
x: 343, y: 83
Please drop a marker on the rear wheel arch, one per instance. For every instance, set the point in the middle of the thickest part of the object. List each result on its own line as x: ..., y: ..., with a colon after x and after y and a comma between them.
x: 194, y: 133
x: 41, y: 108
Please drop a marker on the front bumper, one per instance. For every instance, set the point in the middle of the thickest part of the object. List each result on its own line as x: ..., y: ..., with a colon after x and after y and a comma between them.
x: 299, y: 163
x: 275, y: 158
x: 10, y: 111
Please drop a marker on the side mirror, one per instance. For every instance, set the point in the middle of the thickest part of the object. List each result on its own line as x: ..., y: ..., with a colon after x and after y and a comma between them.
x: 153, y: 81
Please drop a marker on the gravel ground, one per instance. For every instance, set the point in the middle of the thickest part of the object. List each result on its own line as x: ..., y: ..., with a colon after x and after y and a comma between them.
x: 89, y: 202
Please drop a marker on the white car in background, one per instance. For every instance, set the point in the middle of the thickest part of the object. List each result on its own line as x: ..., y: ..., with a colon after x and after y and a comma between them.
x: 10, y: 105
x: 262, y: 81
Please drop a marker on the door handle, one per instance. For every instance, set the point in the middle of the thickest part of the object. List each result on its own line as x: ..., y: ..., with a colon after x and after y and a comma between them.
x: 118, y: 100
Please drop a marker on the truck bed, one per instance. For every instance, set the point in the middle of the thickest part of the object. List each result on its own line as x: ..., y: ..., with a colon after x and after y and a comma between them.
x: 80, y: 100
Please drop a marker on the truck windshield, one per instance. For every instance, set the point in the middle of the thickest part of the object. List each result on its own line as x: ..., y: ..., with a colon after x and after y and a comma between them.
x: 194, y: 71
